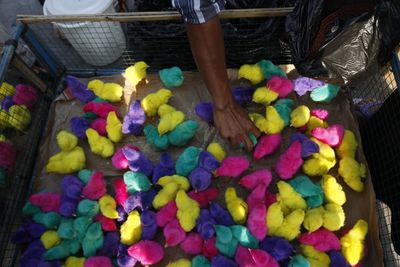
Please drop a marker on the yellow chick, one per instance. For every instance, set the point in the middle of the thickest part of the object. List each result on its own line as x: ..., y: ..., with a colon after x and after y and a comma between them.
x: 352, y: 172
x: 108, y: 207
x: 314, y: 219
x: 2, y: 137
x: 274, y: 122
x: 290, y: 228
x: 50, y: 239
x: 180, y: 263
x: 73, y: 261
x: 177, y: 179
x: 169, y: 121
x: 349, y: 145
x: 67, y: 161
x: 188, y: 211
x: 274, y: 218
x: 95, y: 85
x: 265, y: 96
x: 99, y: 145
x: 131, y: 229
x: 6, y: 89
x: 300, y: 116
x: 334, y: 217
x: 253, y: 73
x: 66, y: 141
x: 19, y: 117
x: 320, y: 163
x: 333, y: 191
x: 114, y: 127
x: 315, y: 122
x: 164, y: 109
x: 353, y: 242
x: 137, y: 72
x: 153, y: 101
x: 315, y: 257
x: 111, y: 92
x: 259, y: 121
x: 4, y: 119
x: 290, y: 200
x: 217, y: 151
x: 236, y: 206
x: 165, y: 195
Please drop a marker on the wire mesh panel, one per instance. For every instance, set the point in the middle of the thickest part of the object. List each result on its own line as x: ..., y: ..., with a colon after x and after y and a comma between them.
x: 114, y: 45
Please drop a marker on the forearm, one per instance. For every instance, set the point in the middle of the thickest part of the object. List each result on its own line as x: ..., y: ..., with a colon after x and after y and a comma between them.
x: 208, y: 50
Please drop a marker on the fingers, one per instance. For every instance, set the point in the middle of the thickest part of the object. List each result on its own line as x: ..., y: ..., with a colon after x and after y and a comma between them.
x: 247, y: 142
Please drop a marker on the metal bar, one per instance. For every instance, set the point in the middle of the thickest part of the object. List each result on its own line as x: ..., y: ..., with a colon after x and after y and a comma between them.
x: 395, y: 62
x: 9, y: 49
x: 154, y: 16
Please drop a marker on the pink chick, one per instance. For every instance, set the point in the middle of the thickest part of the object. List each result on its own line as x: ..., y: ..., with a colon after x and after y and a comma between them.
x: 173, y: 233
x: 209, y: 248
x: 166, y: 214
x: 99, y: 125
x: 256, y: 196
x: 252, y: 180
x: 204, y: 198
x: 331, y: 136
x: 233, y: 166
x: 322, y: 240
x: 262, y: 258
x: 100, y: 109
x: 46, y: 201
x: 147, y: 252
x: 98, y: 261
x: 193, y: 244
x: 119, y: 161
x: 96, y: 187
x: 322, y: 114
x: 25, y: 95
x: 256, y: 221
x: 267, y: 145
x: 121, y: 193
x: 290, y: 161
x: 107, y: 224
x: 281, y: 85
x: 243, y: 257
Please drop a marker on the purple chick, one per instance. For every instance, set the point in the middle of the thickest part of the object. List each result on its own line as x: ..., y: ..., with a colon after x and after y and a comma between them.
x: 110, y: 245
x: 302, y: 85
x: 205, y: 111
x: 140, y: 200
x: 205, y: 224
x: 308, y: 147
x: 337, y: 259
x: 7, y: 103
x: 33, y: 254
x: 138, y: 161
x: 28, y: 232
x: 134, y: 119
x: 79, y: 126
x: 222, y: 261
x: 79, y: 90
x: 200, y: 179
x: 149, y: 224
x: 121, y: 214
x: 123, y: 258
x: 68, y: 206
x: 165, y: 167
x: 72, y: 186
x: 243, y: 95
x: 221, y: 215
x: 277, y: 247
x: 207, y: 161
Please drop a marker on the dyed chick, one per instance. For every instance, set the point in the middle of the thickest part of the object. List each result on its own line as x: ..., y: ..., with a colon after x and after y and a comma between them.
x: 320, y: 163
x: 131, y: 229
x: 111, y: 92
x: 274, y: 123
x: 349, y: 145
x: 300, y: 116
x: 236, y: 206
x: 352, y: 172
x: 147, y: 252
x: 315, y: 257
x: 114, y: 127
x: 290, y: 200
x: 353, y: 242
x: 169, y: 119
x: 153, y: 101
x: 217, y: 151
x: 172, y: 77
x: 188, y: 211
x: 264, y: 95
x: 253, y: 73
x: 333, y: 191
x: 291, y: 225
x: 135, y: 73
x: 99, y: 145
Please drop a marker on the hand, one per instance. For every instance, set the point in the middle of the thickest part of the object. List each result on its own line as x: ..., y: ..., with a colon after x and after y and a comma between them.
x: 234, y: 124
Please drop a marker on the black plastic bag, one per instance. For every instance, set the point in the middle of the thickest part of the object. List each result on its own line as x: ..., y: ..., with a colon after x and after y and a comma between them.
x: 342, y: 41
